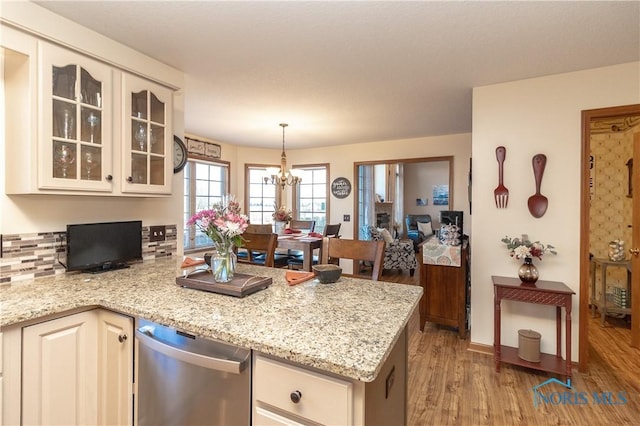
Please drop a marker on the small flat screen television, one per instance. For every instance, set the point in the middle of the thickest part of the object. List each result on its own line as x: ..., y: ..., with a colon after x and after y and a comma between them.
x: 100, y: 247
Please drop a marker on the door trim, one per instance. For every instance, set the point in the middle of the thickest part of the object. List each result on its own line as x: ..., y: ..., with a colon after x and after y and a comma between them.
x: 587, y: 116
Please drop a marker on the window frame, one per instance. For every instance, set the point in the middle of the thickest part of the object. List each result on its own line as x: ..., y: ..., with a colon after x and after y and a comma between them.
x: 189, y: 180
x: 247, y: 188
x: 296, y: 191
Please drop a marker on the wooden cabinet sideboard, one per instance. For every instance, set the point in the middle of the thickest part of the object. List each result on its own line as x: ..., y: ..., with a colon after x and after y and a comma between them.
x: 446, y: 293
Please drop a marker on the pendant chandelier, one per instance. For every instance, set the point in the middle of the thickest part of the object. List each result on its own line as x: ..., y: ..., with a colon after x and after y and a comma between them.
x: 282, y: 176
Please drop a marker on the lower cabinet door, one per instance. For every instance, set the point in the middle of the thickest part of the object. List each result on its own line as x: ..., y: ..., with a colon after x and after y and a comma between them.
x: 60, y: 371
x: 115, y: 371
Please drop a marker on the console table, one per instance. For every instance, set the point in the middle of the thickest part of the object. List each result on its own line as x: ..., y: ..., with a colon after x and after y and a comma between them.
x: 446, y: 289
x: 544, y: 293
x: 601, y: 303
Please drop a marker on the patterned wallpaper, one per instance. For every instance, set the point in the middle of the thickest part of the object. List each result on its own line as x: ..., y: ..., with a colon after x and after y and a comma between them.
x: 610, y: 214
x: 30, y: 256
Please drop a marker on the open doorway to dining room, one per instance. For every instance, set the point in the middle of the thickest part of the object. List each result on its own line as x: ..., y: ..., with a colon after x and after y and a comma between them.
x: 610, y: 211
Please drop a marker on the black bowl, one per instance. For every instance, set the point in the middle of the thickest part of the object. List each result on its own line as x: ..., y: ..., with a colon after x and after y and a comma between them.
x: 327, y: 273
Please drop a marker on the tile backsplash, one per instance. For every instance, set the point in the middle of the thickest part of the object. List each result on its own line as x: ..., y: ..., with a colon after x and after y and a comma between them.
x: 31, y: 256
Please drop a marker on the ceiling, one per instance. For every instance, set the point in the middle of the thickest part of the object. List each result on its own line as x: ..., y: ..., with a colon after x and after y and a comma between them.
x: 352, y: 72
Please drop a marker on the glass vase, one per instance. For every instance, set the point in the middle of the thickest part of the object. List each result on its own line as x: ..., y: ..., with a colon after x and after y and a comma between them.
x: 528, y: 272
x: 223, y: 264
x: 279, y: 227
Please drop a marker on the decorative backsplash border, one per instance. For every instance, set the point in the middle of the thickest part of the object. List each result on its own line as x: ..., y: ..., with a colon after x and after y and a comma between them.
x: 31, y: 256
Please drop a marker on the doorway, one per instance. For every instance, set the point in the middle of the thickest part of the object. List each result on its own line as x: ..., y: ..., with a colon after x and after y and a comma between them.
x: 373, y: 206
x: 619, y: 119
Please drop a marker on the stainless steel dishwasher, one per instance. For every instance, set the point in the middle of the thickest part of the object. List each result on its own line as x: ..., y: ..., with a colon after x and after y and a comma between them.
x: 187, y: 380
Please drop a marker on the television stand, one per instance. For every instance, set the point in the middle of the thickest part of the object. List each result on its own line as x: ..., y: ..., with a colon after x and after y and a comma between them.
x: 106, y: 267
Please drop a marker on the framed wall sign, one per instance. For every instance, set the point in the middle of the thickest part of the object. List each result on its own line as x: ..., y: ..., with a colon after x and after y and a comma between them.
x: 203, y: 150
x: 341, y: 187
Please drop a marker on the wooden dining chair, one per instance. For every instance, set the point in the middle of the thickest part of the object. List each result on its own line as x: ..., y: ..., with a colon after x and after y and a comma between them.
x: 260, y: 248
x: 303, y: 225
x: 372, y: 251
x: 332, y: 230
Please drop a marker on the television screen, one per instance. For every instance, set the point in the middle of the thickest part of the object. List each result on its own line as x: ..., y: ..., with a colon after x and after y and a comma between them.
x: 98, y: 247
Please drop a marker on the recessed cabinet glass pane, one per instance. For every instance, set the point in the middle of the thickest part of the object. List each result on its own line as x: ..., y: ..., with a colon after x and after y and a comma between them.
x: 157, y: 139
x: 64, y: 160
x: 157, y: 170
x: 138, y: 135
x: 91, y: 128
x: 90, y: 89
x: 64, y: 119
x: 139, y: 105
x: 91, y: 166
x: 64, y: 82
x: 139, y: 168
x: 157, y: 110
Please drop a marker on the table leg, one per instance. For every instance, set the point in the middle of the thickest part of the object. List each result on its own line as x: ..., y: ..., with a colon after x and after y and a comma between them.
x: 603, y: 294
x: 496, y: 330
x: 558, y: 331
x: 307, y: 259
x: 568, y: 335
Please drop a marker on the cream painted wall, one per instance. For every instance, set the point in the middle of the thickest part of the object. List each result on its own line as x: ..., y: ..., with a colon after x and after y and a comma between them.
x: 541, y: 115
x: 419, y: 179
x: 342, y: 157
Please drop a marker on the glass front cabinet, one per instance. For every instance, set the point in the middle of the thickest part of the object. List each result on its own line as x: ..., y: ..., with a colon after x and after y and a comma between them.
x: 146, y: 132
x: 102, y: 129
x: 76, y: 104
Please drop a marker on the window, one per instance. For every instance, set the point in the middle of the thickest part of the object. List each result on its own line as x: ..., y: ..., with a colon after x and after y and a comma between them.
x: 311, y: 197
x: 205, y: 183
x: 260, y: 199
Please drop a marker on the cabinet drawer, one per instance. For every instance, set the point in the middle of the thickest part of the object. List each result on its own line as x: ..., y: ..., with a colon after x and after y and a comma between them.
x: 324, y: 399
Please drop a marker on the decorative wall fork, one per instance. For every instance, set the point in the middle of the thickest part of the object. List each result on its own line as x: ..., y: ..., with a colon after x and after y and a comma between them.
x: 501, y: 193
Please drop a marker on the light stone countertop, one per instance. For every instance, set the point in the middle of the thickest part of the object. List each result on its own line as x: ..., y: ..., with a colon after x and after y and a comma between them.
x: 347, y: 328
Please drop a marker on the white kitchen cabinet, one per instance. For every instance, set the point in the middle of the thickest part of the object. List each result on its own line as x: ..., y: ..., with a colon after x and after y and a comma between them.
x: 75, y: 369
x: 285, y: 393
x: 302, y: 393
x: 59, y: 377
x: 146, y: 134
x: 79, y: 126
x: 75, y: 133
x: 115, y: 368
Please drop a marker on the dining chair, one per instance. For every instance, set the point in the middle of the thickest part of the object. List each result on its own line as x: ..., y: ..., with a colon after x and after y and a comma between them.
x: 372, y: 251
x: 295, y: 261
x: 303, y: 225
x: 260, y: 248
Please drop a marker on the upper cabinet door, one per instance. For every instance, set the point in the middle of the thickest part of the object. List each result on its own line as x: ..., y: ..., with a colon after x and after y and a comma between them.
x: 147, y: 161
x: 75, y: 134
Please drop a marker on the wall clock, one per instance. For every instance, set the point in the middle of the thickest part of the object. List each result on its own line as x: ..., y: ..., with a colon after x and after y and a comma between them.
x: 179, y: 154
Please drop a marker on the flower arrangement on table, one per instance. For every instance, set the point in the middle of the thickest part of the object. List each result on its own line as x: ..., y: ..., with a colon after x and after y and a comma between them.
x: 282, y: 215
x: 523, y: 248
x: 224, y: 224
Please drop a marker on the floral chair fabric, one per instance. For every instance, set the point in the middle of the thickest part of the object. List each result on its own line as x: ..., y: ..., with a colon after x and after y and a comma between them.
x: 397, y: 254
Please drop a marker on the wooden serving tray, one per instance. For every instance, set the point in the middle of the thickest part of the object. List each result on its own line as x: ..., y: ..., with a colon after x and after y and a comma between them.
x: 242, y: 284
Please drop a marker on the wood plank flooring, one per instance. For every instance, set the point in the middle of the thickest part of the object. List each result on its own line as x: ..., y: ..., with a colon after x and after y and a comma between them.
x: 449, y: 385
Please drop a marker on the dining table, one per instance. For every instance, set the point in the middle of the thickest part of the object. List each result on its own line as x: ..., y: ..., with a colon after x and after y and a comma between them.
x: 304, y: 243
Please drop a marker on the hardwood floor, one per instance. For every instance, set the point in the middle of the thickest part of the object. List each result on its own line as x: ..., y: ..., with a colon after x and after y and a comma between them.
x: 450, y: 385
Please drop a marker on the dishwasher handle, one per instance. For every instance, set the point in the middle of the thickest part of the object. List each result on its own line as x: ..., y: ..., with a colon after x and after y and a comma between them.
x: 146, y: 337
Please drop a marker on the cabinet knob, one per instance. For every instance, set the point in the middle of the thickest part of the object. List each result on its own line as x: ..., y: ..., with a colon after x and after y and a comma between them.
x: 296, y: 396
x: 130, y: 179
x: 122, y: 338
x: 109, y: 178
x: 634, y: 251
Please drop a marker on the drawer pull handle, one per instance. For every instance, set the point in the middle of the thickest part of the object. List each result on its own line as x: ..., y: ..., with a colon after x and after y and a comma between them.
x: 296, y: 396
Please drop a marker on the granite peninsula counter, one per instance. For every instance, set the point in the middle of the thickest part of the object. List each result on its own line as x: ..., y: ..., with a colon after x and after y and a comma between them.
x: 347, y: 328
